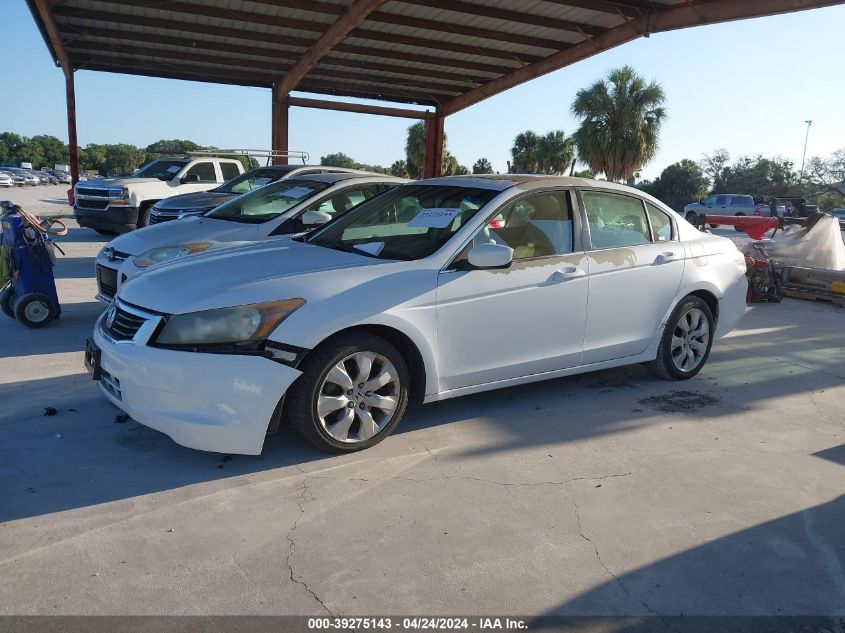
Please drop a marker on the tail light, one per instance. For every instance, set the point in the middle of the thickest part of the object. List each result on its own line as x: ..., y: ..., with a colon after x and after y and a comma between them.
x: 496, y: 224
x: 756, y: 210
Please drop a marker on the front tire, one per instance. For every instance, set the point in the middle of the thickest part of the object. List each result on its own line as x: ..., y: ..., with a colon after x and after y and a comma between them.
x: 686, y: 341
x: 352, y: 393
x: 143, y: 216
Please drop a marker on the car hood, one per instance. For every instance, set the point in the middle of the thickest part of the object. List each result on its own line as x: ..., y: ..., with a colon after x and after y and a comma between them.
x: 192, y: 229
x: 237, y: 276
x: 117, y: 182
x: 198, y: 200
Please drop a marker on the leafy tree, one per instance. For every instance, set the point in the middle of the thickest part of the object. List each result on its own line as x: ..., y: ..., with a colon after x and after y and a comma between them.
x: 678, y: 184
x: 758, y: 176
x: 12, y: 148
x: 46, y: 151
x: 399, y: 169
x: 122, y: 159
x: 338, y: 159
x: 584, y: 173
x: 92, y: 157
x: 714, y: 164
x: 165, y: 148
x: 482, y: 166
x: 621, y: 118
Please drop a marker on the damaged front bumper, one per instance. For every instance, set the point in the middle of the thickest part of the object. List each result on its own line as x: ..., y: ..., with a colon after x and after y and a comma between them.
x: 210, y: 402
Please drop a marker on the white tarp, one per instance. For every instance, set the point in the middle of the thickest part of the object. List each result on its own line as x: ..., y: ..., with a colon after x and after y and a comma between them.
x: 819, y: 246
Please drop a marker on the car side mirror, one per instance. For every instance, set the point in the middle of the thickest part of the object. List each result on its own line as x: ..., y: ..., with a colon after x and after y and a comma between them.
x: 189, y: 178
x: 490, y: 256
x: 315, y: 218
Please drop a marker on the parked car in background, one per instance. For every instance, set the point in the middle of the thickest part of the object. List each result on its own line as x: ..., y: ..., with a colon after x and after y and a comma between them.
x: 6, y: 180
x: 726, y: 204
x: 29, y: 178
x: 839, y: 214
x: 286, y: 207
x: 62, y: 176
x: 17, y: 179
x: 198, y: 203
x: 46, y: 178
x: 118, y: 205
x: 413, y: 294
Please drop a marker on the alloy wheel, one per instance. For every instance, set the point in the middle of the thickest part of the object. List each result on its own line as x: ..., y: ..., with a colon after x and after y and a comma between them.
x: 358, y: 397
x: 690, y: 340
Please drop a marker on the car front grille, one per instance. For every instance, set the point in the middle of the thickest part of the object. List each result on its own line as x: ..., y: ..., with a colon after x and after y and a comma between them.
x: 111, y: 384
x: 120, y: 324
x: 87, y: 191
x: 95, y: 205
x: 157, y: 217
x: 106, y: 281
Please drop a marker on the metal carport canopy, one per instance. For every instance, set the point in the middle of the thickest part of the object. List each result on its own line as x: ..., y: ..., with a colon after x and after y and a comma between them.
x: 445, y: 54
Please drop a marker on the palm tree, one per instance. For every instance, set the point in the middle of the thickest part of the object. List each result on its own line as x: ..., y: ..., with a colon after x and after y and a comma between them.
x: 621, y: 122
x: 526, y: 153
x: 549, y: 154
x: 556, y: 153
x: 415, y: 154
x: 415, y: 149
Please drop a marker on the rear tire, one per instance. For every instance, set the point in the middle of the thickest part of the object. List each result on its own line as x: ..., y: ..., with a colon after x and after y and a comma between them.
x: 7, y: 301
x: 736, y: 227
x: 35, y: 310
x: 330, y: 404
x: 686, y: 341
x: 105, y: 232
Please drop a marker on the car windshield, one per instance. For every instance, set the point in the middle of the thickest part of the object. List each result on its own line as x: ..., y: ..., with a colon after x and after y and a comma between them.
x: 268, y: 202
x: 251, y: 180
x: 161, y: 169
x: 410, y: 222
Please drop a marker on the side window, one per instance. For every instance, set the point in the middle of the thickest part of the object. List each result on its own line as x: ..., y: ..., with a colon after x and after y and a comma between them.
x: 661, y: 224
x: 205, y: 171
x: 229, y: 171
x: 538, y: 225
x: 615, y: 220
x: 742, y: 201
x: 720, y: 200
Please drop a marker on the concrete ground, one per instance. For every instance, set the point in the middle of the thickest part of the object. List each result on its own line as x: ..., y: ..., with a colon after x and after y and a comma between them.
x: 608, y: 493
x: 45, y: 200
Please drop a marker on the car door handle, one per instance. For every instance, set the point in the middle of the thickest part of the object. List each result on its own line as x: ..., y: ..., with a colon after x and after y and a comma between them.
x: 571, y: 272
x: 665, y: 258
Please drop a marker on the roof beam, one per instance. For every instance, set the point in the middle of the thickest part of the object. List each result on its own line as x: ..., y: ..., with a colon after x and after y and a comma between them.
x: 358, y: 107
x: 331, y: 37
x: 698, y: 14
x: 43, y: 16
x: 626, y: 8
x: 470, y: 8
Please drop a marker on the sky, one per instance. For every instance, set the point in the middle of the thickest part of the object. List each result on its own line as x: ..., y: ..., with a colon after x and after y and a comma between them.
x: 747, y: 86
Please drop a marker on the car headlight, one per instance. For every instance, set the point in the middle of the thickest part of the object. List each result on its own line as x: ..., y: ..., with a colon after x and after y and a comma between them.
x: 244, y: 325
x: 166, y: 253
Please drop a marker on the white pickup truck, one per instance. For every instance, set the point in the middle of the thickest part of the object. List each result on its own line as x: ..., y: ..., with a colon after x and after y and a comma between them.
x: 118, y: 205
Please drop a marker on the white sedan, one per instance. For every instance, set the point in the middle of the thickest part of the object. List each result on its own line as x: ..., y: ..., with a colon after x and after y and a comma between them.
x: 435, y: 289
x: 285, y: 207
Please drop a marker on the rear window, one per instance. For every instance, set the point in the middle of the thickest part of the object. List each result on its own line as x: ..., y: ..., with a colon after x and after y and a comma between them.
x: 746, y: 201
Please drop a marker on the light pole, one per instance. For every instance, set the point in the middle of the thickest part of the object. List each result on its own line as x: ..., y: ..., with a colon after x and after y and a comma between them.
x: 804, y: 157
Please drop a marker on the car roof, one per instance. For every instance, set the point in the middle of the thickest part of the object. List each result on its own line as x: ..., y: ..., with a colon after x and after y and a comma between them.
x: 500, y: 182
x: 347, y: 175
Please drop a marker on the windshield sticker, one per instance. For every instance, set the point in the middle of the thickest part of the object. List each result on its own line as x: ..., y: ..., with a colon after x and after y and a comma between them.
x: 296, y: 192
x: 262, y: 181
x: 173, y: 169
x: 434, y: 218
x: 373, y: 248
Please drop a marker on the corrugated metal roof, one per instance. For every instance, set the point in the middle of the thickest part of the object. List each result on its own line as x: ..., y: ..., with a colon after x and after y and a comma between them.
x: 430, y: 52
